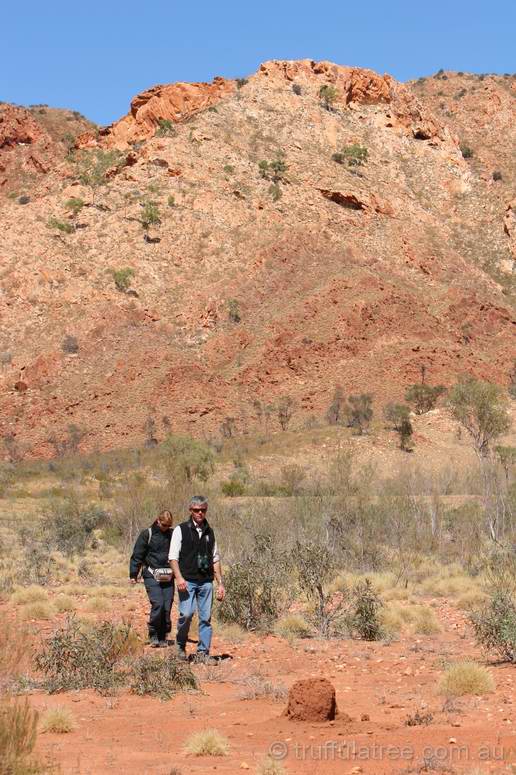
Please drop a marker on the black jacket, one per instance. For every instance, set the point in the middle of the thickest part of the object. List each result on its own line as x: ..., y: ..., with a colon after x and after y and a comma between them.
x: 153, y: 553
x: 192, y: 547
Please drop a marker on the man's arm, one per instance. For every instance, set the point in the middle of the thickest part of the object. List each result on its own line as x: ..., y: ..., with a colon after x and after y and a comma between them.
x: 217, y: 572
x: 173, y: 558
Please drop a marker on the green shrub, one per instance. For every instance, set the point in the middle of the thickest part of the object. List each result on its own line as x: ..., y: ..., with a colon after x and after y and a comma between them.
x: 495, y: 626
x: 240, y: 82
x: 64, y: 226
x: 80, y: 657
x: 366, y: 605
x: 165, y: 128
x: 353, y: 155
x: 423, y: 397
x: 234, y: 311
x: 69, y: 525
x: 232, y: 488
x: 75, y: 204
x: 328, y: 94
x: 150, y: 215
x: 466, y: 151
x: 161, y: 676
x: 70, y: 345
x: 190, y: 458
x: 122, y: 278
x: 254, y: 586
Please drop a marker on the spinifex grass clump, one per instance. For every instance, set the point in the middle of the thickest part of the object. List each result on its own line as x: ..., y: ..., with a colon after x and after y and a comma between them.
x: 79, y: 657
x: 495, y: 626
x: 161, y: 676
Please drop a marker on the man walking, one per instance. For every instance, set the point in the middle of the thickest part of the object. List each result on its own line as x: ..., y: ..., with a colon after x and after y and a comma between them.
x: 195, y: 561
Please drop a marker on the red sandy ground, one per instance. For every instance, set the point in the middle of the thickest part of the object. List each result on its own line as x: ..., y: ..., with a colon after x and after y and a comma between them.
x: 378, y: 686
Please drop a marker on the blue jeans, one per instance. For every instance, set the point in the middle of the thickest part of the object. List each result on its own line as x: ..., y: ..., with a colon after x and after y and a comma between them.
x: 197, y: 597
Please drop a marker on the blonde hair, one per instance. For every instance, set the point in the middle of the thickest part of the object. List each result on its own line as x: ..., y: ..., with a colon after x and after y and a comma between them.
x: 166, y: 517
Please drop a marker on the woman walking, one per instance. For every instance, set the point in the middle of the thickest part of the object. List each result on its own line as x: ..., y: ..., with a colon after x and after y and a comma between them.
x: 150, y: 556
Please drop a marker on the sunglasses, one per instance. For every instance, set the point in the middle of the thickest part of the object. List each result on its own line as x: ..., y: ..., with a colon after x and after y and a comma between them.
x: 204, y: 509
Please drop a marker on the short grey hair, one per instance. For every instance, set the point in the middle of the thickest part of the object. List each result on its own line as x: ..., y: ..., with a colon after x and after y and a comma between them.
x: 198, y: 500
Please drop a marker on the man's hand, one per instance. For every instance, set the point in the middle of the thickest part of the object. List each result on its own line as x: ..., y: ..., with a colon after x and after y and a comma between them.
x: 132, y: 581
x: 182, y: 585
x: 221, y: 592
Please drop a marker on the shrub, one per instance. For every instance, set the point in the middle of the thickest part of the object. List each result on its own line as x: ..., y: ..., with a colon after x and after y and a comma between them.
x: 70, y: 345
x: 497, y: 175
x: 207, y: 742
x: 98, y: 605
x: 122, y: 278
x: 69, y: 525
x: 171, y: 201
x: 465, y: 678
x: 424, y: 621
x: 23, y: 200
x: 15, y: 649
x: 232, y: 488
x: 228, y: 168
x: 254, y: 586
x: 165, y: 128
x: 285, y: 409
x: 234, y: 311
x: 273, y: 170
x: 240, y: 82
x: 58, y: 720
x: 161, y: 676
x: 364, y: 611
x: 398, y: 416
x: 64, y: 226
x: 334, y: 412
x: 359, y: 412
x: 150, y: 215
x: 292, y: 477
x: 76, y: 657
x: 466, y: 151
x: 423, y: 397
x: 296, y: 88
x: 353, y: 155
x: 495, y: 625
x: 75, y: 204
x: 315, y: 566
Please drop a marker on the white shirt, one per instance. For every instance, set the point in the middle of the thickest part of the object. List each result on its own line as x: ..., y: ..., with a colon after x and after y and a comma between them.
x: 177, y: 540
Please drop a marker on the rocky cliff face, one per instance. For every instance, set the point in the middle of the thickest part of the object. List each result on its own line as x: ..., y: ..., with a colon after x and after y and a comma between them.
x: 315, y: 225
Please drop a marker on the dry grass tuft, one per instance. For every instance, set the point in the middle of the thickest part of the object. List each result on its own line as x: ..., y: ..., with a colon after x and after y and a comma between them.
x: 64, y: 604
x: 292, y: 626
x: 16, y: 648
x: 58, y: 720
x: 207, y: 742
x: 30, y: 594
x: 231, y: 633
x: 39, y: 610
x: 424, y: 621
x: 466, y: 678
x: 98, y: 605
x: 270, y: 767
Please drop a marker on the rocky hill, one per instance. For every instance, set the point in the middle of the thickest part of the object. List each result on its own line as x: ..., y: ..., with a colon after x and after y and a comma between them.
x: 230, y: 242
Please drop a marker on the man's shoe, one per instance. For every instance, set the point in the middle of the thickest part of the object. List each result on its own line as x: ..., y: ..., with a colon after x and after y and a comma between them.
x: 162, y: 644
x: 154, y: 643
x: 201, y: 658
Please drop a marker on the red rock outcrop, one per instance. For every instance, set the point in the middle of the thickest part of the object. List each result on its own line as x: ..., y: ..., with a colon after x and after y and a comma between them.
x: 171, y: 102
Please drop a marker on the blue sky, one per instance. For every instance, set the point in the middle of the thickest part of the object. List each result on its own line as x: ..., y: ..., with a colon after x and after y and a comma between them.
x: 94, y: 56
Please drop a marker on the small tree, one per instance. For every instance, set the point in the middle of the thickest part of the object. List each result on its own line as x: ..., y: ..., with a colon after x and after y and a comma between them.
x: 334, y: 411
x: 234, y: 311
x: 353, y: 155
x: 190, y: 458
x: 507, y: 458
x: 328, y: 94
x: 360, y: 412
x: 74, y: 205
x: 165, y: 128
x: 285, y: 409
x: 95, y: 165
x: 423, y: 397
x: 512, y: 381
x: 150, y: 216
x: 398, y: 417
x: 481, y: 409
